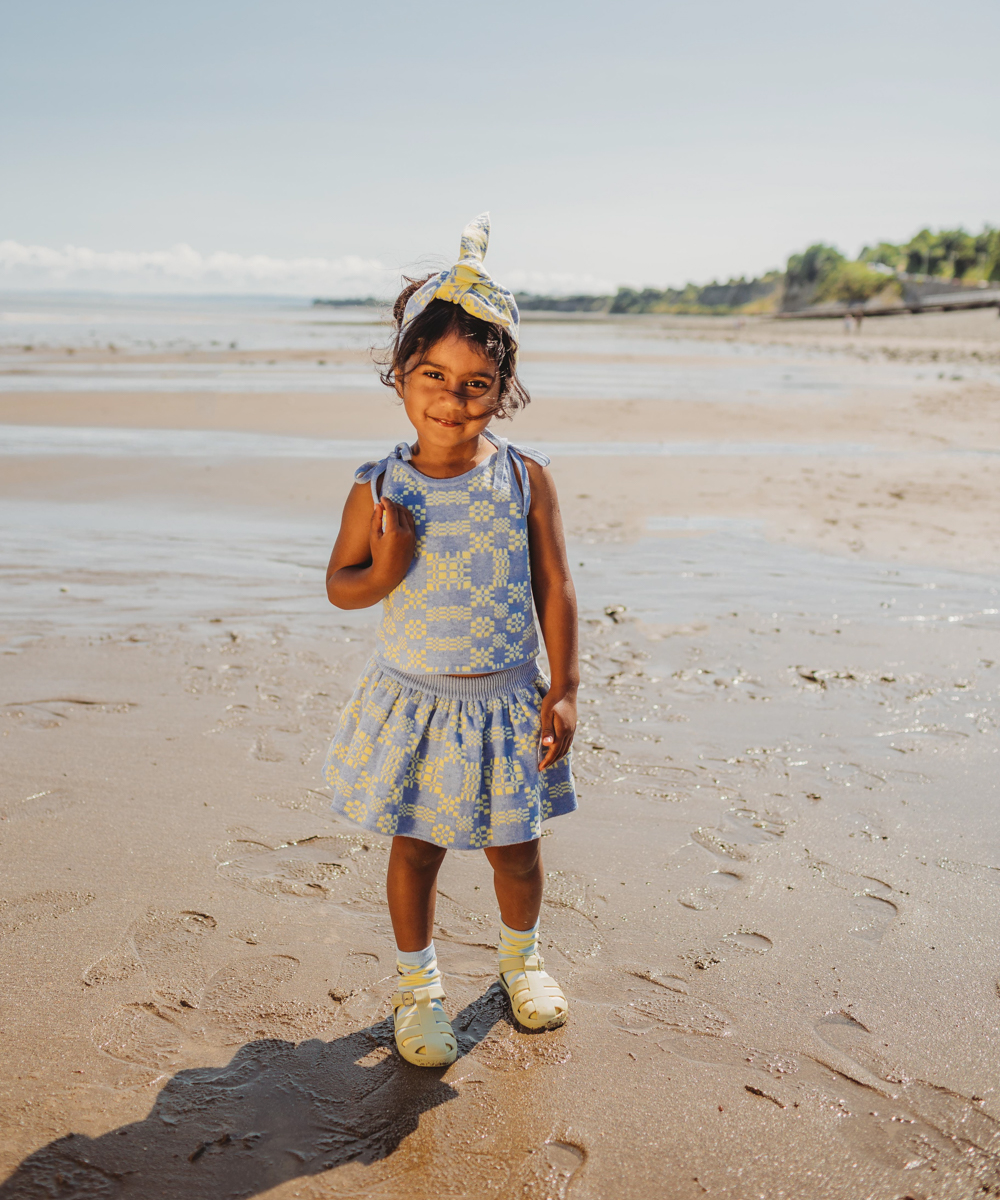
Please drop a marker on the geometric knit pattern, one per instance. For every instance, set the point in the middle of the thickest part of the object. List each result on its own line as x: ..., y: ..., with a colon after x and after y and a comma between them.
x: 462, y: 774
x: 465, y: 604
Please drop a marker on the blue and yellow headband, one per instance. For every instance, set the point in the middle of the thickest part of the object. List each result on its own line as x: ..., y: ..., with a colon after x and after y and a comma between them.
x: 468, y: 284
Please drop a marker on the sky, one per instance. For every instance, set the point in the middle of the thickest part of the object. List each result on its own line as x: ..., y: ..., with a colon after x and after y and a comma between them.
x: 317, y: 147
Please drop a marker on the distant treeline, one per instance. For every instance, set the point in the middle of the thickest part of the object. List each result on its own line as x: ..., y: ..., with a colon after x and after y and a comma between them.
x: 748, y: 295
x: 363, y: 302
x: 819, y: 275
x: 929, y: 262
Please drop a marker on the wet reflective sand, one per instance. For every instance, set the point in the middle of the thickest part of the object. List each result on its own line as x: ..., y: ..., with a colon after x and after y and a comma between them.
x: 774, y: 914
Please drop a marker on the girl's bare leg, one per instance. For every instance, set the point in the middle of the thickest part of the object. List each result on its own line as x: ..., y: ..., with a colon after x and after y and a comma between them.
x: 411, y: 889
x: 518, y: 879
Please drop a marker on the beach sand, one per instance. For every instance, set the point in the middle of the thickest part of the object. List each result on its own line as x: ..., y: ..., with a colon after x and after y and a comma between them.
x: 774, y: 913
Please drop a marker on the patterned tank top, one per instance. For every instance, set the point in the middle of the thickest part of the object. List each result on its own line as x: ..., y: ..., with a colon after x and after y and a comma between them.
x: 465, y: 605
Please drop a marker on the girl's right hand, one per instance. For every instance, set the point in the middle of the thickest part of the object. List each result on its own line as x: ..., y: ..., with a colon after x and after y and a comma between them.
x: 393, y: 539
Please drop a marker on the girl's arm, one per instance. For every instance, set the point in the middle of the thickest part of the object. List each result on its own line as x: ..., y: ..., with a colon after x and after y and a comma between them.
x: 555, y: 603
x: 368, y: 562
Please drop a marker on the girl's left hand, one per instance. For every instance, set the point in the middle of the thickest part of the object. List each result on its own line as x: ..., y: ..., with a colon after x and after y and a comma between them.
x: 558, y: 719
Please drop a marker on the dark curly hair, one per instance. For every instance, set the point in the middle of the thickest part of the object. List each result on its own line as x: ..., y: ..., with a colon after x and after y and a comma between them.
x: 439, y: 319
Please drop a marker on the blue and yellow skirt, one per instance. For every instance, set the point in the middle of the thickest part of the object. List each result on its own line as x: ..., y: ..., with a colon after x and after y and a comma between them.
x: 447, y: 759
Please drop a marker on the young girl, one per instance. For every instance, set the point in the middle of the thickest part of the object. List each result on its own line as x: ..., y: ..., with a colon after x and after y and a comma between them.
x: 453, y: 739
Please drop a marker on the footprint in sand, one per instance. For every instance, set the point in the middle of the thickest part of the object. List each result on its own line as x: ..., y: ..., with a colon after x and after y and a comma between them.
x: 357, y: 990
x: 238, y: 985
x: 547, y: 1172
x: 872, y: 912
x: 843, y: 1032
x: 914, y: 1123
x: 15, y: 914
x: 313, y: 868
x: 238, y: 1004
x: 608, y: 987
x: 144, y: 1035
x: 906, y: 1124
x: 656, y: 1004
x: 682, y: 1024
x: 732, y: 946
x: 739, y: 828
x: 50, y: 714
x: 720, y: 884
x: 243, y: 1003
x: 360, y: 969
x: 902, y: 1123
x: 846, y: 1034
x: 164, y: 949
x: 264, y: 750
x: 745, y: 939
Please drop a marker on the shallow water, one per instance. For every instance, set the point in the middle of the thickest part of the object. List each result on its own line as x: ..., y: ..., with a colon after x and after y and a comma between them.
x: 587, y: 356
x: 29, y: 440
x: 189, y: 377
x: 180, y: 323
x: 668, y: 379
x: 732, y: 568
x: 95, y: 566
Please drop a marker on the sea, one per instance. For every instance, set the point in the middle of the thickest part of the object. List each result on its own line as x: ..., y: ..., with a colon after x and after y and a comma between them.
x: 144, y: 563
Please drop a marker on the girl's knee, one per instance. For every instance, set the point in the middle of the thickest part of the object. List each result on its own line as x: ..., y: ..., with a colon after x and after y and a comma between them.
x: 420, y: 856
x: 519, y: 860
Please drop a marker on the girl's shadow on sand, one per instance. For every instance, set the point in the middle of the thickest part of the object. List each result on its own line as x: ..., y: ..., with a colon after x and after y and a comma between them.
x: 277, y: 1111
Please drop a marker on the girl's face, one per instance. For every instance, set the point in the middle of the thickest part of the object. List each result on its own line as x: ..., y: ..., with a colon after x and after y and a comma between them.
x: 450, y: 393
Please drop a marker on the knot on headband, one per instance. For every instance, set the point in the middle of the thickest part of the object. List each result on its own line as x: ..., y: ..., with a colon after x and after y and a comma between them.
x: 468, y: 284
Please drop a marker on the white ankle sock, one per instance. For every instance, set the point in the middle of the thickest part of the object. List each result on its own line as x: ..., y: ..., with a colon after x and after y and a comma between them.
x: 418, y: 968
x: 518, y: 941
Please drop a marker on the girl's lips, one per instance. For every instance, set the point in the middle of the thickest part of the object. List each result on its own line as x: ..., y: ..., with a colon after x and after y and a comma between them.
x: 447, y: 424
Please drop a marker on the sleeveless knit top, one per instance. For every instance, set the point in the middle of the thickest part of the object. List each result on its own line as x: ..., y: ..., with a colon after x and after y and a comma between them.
x: 465, y: 604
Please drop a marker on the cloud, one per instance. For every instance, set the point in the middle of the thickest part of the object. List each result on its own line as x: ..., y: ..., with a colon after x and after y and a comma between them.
x: 181, y: 268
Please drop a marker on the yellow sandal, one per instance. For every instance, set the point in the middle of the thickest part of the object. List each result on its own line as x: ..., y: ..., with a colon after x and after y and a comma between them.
x: 535, y: 997
x: 424, y: 1035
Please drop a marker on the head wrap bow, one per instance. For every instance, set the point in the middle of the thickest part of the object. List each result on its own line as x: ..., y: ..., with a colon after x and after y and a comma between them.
x: 468, y: 284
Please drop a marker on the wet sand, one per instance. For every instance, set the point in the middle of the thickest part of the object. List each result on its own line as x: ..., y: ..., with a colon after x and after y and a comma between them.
x: 774, y: 913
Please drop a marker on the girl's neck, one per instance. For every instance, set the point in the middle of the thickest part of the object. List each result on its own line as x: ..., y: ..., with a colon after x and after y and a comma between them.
x: 446, y: 462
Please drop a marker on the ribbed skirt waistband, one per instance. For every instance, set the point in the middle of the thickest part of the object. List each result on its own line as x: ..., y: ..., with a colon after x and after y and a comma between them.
x: 466, y: 687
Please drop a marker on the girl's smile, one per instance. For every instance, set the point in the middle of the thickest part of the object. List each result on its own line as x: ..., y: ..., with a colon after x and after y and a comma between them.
x: 450, y: 395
